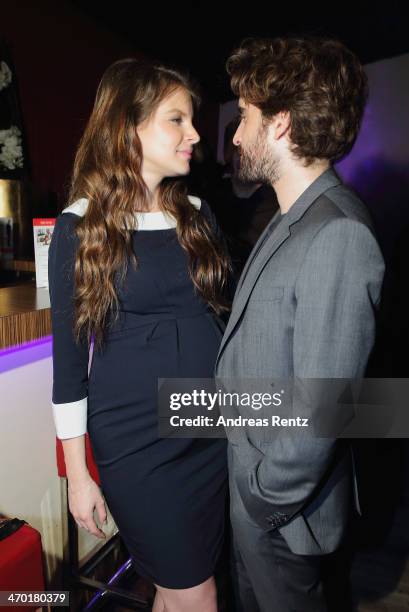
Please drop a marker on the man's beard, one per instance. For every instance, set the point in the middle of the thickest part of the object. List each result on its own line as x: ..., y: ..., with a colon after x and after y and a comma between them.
x: 258, y: 164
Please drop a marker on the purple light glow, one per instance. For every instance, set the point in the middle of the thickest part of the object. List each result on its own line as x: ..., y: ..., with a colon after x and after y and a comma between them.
x: 124, y: 568
x: 29, y: 352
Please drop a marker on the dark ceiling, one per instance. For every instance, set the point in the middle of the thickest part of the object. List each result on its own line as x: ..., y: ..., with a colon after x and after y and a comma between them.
x: 198, y: 36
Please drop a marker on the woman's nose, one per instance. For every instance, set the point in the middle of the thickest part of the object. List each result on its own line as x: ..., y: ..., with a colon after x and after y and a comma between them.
x: 193, y: 136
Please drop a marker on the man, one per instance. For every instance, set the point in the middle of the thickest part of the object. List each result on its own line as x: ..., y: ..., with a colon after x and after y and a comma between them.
x: 244, y: 209
x: 303, y: 309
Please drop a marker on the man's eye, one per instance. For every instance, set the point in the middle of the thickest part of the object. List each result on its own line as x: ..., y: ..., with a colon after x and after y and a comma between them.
x: 177, y: 119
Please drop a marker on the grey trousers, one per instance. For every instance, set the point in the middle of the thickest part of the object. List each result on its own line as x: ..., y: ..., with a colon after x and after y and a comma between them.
x: 268, y: 577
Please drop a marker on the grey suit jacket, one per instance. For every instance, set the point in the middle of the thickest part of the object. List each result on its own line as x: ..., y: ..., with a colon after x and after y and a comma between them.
x: 304, y: 308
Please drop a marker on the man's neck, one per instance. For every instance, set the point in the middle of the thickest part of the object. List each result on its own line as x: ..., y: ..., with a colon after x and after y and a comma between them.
x: 295, y: 179
x: 244, y: 190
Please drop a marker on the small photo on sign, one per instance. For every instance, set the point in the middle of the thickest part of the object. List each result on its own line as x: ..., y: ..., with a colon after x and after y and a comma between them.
x: 43, y: 231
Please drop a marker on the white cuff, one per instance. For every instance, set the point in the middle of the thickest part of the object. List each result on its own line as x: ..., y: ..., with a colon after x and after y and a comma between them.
x: 70, y: 419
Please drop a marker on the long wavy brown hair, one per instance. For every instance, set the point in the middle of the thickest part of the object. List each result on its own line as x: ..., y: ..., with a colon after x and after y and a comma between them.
x: 107, y: 171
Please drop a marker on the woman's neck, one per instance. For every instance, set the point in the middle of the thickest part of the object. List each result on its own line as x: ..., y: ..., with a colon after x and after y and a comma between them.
x: 153, y: 201
x: 153, y: 192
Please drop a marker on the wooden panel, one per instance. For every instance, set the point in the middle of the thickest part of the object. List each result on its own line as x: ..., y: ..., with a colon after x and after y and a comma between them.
x: 20, y: 265
x: 24, y: 314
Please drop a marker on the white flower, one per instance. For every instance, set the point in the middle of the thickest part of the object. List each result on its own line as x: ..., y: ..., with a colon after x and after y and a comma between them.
x: 11, y: 150
x: 5, y: 75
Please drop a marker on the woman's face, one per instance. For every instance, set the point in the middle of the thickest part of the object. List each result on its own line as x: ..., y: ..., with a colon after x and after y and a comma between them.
x: 168, y: 137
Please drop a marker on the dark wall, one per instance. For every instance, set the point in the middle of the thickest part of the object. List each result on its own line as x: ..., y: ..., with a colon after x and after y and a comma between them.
x: 59, y: 56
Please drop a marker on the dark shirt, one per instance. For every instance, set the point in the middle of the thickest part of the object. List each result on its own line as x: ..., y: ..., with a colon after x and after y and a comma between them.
x: 243, y: 220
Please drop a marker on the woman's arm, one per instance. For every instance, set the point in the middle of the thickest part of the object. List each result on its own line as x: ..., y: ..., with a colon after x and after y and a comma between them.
x: 84, y: 495
x: 70, y: 378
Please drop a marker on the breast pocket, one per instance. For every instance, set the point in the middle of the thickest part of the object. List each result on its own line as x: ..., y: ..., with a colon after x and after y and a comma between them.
x: 265, y: 293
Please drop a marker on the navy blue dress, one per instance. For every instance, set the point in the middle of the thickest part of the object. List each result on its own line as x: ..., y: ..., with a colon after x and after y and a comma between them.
x: 167, y: 496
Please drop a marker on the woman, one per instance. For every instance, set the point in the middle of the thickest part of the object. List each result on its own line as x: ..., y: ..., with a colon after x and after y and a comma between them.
x: 136, y: 265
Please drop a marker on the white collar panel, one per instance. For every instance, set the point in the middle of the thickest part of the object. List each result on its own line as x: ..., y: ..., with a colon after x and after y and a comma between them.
x: 146, y: 220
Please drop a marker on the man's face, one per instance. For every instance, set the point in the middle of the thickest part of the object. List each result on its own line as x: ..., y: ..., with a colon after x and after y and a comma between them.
x: 259, y: 161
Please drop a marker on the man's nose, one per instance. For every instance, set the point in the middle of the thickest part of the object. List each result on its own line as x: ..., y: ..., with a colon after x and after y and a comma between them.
x: 237, y: 138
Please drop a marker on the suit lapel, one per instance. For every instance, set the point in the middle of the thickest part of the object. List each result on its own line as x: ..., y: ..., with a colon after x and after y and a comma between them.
x: 258, y: 260
x: 250, y: 276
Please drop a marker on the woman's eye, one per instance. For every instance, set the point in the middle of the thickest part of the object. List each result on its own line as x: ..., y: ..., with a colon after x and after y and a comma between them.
x: 177, y: 119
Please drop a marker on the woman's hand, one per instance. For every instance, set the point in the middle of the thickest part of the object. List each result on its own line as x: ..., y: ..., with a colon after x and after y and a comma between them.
x: 83, y: 498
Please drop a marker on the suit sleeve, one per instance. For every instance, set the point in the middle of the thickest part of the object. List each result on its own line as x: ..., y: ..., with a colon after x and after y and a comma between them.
x: 70, y: 359
x: 337, y: 290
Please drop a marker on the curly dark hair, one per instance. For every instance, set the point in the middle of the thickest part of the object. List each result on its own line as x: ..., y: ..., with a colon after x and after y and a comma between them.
x: 318, y: 81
